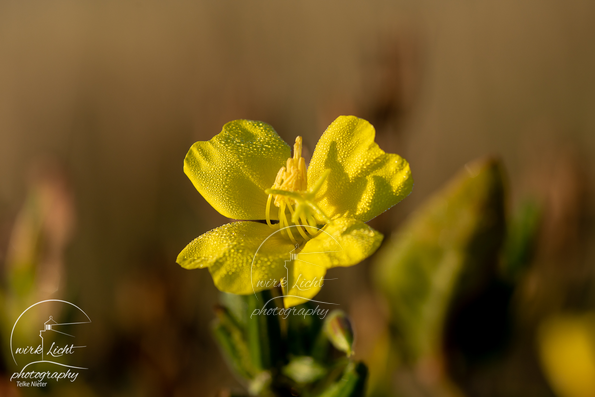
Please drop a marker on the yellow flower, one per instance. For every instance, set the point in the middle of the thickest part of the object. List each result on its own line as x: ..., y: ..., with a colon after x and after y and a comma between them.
x: 294, y: 221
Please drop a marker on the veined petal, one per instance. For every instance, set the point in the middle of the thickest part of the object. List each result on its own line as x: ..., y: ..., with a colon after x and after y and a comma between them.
x: 234, y: 168
x: 243, y: 257
x: 364, y: 180
x: 344, y: 242
x: 305, y: 279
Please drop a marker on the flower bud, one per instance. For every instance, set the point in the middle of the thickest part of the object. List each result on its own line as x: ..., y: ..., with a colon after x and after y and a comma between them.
x: 337, y: 328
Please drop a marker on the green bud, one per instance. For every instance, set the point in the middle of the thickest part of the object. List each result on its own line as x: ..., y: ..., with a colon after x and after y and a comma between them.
x: 259, y: 386
x: 337, y: 328
x: 304, y: 369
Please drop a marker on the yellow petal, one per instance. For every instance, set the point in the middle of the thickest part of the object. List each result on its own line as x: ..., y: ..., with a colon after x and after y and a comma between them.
x: 305, y: 279
x: 243, y: 257
x: 233, y: 169
x: 567, y: 347
x: 344, y: 242
x: 364, y: 180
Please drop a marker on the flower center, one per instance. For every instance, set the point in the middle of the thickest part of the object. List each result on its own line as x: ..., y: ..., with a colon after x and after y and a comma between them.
x: 293, y: 177
x: 290, y: 192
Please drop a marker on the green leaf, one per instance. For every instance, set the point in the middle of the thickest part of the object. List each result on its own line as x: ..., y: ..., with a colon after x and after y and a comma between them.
x: 351, y: 384
x: 303, y: 333
x: 231, y: 339
x: 263, y: 332
x: 446, y: 250
x: 521, y: 239
x: 236, y: 306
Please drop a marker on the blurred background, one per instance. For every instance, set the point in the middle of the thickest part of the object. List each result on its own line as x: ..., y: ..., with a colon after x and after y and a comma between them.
x: 100, y: 101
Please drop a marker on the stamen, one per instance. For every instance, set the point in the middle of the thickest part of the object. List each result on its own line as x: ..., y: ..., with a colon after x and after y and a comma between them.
x: 268, y: 211
x: 291, y: 189
x: 310, y: 222
x: 298, y: 227
x: 284, y: 221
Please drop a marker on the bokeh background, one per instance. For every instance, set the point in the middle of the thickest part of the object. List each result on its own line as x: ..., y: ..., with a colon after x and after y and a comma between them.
x: 99, y: 102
